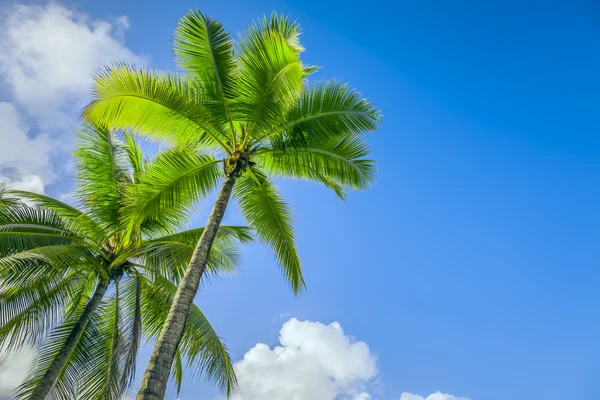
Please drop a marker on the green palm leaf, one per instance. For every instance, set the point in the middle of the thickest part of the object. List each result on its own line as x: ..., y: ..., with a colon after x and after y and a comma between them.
x: 328, y: 109
x: 271, y: 73
x: 7, y: 199
x: 134, y: 153
x: 29, y: 309
x: 169, y: 255
x: 76, y: 220
x: 266, y: 212
x: 172, y: 183
x: 102, y: 175
x: 205, y: 51
x: 158, y: 105
x: 337, y: 160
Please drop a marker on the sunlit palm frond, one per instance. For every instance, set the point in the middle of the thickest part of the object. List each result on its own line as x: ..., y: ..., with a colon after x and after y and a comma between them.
x: 134, y: 154
x: 269, y: 216
x: 271, y: 74
x: 191, y: 236
x: 158, y: 105
x: 334, y: 161
x: 171, y: 184
x: 328, y: 109
x: 204, y: 50
x: 62, y: 257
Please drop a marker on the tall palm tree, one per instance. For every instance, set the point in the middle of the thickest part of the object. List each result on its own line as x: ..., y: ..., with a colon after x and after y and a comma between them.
x: 85, y: 287
x: 249, y: 107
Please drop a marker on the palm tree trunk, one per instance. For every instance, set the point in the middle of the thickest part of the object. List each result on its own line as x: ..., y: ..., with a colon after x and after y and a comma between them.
x: 154, y: 382
x: 58, y: 364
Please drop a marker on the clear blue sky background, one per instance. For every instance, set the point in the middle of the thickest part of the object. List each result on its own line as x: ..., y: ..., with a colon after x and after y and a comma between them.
x: 472, y: 265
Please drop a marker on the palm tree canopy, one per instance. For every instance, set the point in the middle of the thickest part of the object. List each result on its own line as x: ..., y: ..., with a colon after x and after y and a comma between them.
x: 53, y: 256
x: 249, y: 106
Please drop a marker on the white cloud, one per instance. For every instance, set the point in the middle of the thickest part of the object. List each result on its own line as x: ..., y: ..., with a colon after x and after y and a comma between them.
x: 49, y: 55
x: 30, y: 183
x: 21, y: 155
x: 433, y: 396
x: 314, y: 361
x: 14, y: 368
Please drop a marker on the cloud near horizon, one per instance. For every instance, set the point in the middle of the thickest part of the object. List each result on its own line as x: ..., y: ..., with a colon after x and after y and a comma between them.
x: 312, y: 361
x: 433, y: 396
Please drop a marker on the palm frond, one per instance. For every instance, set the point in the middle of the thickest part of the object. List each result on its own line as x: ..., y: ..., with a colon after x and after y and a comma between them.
x: 158, y: 105
x: 6, y: 197
x: 266, y: 212
x: 328, y: 109
x: 62, y: 257
x: 78, y: 378
x: 104, y: 373
x: 169, y: 255
x: 76, y: 220
x: 67, y: 384
x: 205, y: 51
x: 23, y: 228
x: 177, y: 371
x: 102, y: 175
x: 339, y: 161
x: 171, y: 184
x: 271, y: 73
x: 191, y: 236
x: 282, y: 24
x: 29, y: 308
x: 131, y: 290
x: 201, y: 348
x: 134, y: 154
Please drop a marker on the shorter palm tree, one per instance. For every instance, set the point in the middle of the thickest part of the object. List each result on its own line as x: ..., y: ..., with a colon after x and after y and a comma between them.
x: 84, y: 292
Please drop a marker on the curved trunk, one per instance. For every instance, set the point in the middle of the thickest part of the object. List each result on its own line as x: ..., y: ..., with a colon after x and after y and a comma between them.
x: 154, y: 382
x: 60, y: 361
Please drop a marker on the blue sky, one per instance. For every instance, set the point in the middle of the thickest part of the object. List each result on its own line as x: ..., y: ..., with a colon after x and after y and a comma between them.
x: 471, y: 267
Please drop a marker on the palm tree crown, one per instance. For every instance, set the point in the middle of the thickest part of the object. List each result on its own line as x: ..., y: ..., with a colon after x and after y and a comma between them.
x: 85, y: 285
x: 249, y: 107
x: 246, y: 105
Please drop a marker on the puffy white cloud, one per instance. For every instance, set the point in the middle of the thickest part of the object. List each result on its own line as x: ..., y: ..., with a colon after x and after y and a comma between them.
x: 20, y: 155
x: 14, y: 368
x: 314, y: 361
x: 49, y: 55
x: 433, y: 396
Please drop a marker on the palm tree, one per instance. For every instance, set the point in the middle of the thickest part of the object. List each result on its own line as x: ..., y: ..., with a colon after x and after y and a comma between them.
x: 248, y: 106
x: 85, y: 290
